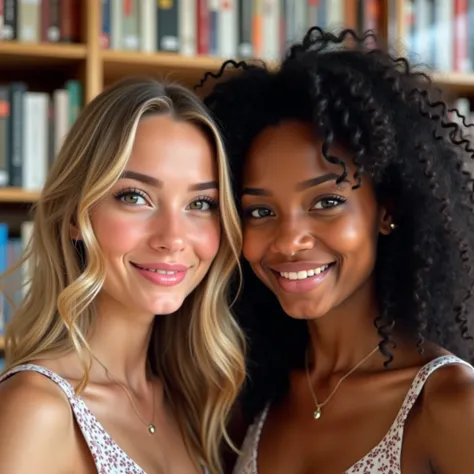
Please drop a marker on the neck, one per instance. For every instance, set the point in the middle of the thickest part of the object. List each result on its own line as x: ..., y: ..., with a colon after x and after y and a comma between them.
x: 345, y: 335
x: 120, y: 341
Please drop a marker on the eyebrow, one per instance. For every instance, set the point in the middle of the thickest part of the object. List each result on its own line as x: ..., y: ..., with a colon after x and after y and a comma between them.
x: 144, y: 178
x: 309, y: 183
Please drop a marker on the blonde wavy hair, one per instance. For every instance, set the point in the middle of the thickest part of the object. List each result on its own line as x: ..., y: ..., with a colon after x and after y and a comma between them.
x: 198, y: 353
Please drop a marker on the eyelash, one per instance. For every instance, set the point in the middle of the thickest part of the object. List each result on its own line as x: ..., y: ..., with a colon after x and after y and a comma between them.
x: 213, y: 204
x: 130, y: 192
x: 338, y: 199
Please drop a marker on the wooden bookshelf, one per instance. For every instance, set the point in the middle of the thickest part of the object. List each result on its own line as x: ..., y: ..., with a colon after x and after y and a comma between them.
x: 458, y: 84
x: 18, y: 195
x: 186, y: 69
x: 41, y: 52
x: 2, y: 343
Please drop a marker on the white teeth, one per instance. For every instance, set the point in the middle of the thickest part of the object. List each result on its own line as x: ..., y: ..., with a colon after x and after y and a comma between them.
x: 304, y: 274
x: 161, y: 272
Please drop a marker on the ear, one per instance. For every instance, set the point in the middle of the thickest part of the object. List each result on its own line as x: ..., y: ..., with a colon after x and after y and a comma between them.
x: 74, y: 232
x: 386, y: 224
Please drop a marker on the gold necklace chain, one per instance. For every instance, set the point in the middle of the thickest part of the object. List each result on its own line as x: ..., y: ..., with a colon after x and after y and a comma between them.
x: 151, y: 427
x: 318, y: 412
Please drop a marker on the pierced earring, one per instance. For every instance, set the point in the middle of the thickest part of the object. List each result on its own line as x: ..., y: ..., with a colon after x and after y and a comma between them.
x: 393, y: 226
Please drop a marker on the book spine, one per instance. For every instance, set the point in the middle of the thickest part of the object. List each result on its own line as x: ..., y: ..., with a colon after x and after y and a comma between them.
x: 4, y: 140
x: 168, y: 26
x: 17, y: 91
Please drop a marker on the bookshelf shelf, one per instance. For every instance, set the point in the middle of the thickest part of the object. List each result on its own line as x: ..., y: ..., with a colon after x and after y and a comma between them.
x: 18, y: 195
x: 458, y: 83
x: 186, y: 69
x: 13, y: 54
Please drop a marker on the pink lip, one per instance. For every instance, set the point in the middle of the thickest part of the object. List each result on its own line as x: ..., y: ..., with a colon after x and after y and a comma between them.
x: 301, y: 286
x: 296, y: 266
x: 167, y: 267
x: 162, y: 279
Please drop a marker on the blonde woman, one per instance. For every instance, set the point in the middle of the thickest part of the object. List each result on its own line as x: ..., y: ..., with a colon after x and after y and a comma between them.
x: 123, y: 356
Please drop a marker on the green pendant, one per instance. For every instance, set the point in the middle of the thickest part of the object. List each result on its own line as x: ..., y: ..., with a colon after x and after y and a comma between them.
x: 317, y: 413
x: 151, y: 428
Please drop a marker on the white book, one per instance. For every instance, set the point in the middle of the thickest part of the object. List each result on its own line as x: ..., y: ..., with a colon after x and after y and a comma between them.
x: 61, y: 118
x: 188, y: 27
x: 335, y: 14
x: 116, y: 24
x: 35, y: 140
x: 301, y: 17
x: 444, y: 14
x: 227, y: 29
x: 422, y: 31
x: 28, y: 22
x: 271, y: 30
x: 148, y: 25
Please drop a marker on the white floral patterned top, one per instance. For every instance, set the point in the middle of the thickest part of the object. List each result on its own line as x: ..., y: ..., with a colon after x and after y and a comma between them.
x: 385, y: 457
x: 108, y: 456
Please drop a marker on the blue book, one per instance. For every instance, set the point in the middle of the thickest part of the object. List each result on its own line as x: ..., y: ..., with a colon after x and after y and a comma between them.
x: 3, y: 268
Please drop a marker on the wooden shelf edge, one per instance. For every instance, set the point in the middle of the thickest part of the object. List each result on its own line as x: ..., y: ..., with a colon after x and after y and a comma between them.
x: 169, y: 60
x: 18, y: 195
x: 45, y: 50
x: 454, y: 79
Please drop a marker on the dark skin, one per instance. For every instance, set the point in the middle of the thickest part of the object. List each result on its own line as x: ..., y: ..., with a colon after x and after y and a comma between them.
x: 291, y: 224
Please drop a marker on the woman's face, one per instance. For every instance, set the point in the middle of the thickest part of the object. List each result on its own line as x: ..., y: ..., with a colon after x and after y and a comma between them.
x: 311, y: 241
x: 158, y: 229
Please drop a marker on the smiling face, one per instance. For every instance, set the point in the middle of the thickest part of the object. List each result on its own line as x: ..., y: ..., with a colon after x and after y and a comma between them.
x: 310, y: 240
x: 158, y: 228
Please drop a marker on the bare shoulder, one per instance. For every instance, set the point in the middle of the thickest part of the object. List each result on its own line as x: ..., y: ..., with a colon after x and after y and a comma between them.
x: 35, y: 419
x: 448, y: 418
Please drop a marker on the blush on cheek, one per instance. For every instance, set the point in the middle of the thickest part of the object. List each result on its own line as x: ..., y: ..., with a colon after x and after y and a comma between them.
x: 206, y: 242
x: 117, y: 233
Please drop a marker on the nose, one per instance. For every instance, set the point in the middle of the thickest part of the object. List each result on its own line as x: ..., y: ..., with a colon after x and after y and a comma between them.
x: 291, y: 238
x: 168, y: 232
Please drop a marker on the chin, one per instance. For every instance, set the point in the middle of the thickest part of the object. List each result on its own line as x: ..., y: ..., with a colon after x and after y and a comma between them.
x: 303, y: 310
x: 166, y: 306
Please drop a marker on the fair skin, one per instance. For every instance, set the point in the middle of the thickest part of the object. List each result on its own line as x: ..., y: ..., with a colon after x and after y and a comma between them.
x: 162, y: 211
x: 295, y: 216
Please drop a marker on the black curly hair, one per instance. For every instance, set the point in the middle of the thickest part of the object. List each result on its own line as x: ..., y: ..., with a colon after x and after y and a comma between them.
x: 401, y: 132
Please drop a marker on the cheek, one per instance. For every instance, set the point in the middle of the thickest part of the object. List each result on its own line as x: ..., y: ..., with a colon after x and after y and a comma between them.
x: 253, y: 245
x: 205, y: 240
x: 354, y: 236
x: 116, y: 233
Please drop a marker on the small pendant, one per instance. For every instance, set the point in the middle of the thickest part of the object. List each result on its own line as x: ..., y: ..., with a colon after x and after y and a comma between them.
x: 151, y: 428
x: 317, y: 413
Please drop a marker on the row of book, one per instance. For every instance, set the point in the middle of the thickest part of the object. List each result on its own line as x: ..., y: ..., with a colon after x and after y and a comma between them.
x: 225, y: 28
x: 40, y: 20
x: 437, y: 33
x: 32, y: 127
x: 13, y: 286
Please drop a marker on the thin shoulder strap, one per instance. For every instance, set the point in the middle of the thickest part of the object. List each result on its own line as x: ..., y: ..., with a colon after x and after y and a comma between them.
x: 108, y: 456
x: 64, y: 385
x: 417, y: 386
